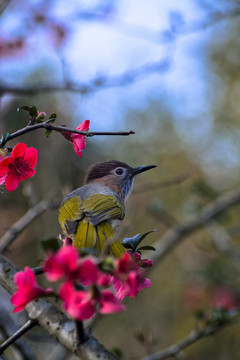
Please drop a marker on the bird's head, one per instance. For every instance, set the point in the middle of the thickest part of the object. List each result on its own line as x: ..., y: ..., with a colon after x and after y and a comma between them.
x: 116, y: 175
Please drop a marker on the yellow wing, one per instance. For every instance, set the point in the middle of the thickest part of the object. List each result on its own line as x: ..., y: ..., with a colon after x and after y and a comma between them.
x: 88, y: 222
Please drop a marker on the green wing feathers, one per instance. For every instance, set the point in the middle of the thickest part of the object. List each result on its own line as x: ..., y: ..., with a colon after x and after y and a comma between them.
x: 69, y: 215
x: 98, y: 208
x: 88, y: 222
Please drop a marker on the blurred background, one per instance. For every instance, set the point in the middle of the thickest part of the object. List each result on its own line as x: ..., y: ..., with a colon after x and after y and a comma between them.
x: 170, y: 71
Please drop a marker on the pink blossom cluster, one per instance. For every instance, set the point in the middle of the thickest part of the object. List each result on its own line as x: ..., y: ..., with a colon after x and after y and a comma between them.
x: 198, y: 297
x: 84, y: 288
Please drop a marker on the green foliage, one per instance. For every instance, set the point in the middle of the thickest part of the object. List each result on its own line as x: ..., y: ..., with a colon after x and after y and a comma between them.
x: 32, y: 110
x: 50, y: 244
x: 4, y: 139
x: 133, y: 242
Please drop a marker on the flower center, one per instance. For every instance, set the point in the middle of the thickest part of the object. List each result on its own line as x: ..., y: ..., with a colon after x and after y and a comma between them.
x: 21, y: 168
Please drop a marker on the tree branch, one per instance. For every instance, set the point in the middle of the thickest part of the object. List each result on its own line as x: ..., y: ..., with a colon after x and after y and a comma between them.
x: 47, y: 126
x: 174, y: 236
x: 175, y: 349
x: 19, y: 333
x: 95, y: 84
x: 54, y: 322
x: 24, y: 221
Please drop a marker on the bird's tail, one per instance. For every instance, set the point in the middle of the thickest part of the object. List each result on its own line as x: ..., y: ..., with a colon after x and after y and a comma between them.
x: 99, y: 237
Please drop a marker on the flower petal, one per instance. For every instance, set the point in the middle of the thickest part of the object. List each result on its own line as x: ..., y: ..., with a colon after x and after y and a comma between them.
x: 26, y: 174
x: 19, y: 150
x: 109, y: 303
x: 12, y: 180
x: 31, y: 157
x: 84, y: 126
x: 79, y: 144
x: 4, y: 166
x: 88, y: 272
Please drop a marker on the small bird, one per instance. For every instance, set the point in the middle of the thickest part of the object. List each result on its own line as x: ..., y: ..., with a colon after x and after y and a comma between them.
x: 91, y: 214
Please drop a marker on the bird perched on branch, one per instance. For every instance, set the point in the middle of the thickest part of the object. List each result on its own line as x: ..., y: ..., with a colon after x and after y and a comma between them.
x: 91, y: 214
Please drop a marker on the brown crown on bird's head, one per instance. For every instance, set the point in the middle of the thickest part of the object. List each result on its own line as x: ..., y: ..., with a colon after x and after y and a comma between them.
x: 116, y: 175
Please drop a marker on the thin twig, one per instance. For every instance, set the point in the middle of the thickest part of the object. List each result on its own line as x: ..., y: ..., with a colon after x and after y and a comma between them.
x: 175, y: 349
x: 24, y: 221
x: 93, y: 85
x: 175, y: 235
x: 38, y: 270
x: 25, y: 328
x: 7, y: 327
x: 47, y: 126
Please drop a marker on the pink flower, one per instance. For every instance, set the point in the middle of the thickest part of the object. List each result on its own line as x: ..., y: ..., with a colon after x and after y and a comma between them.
x: 128, y: 277
x: 143, y: 263
x: 78, y: 141
x: 82, y: 305
x: 223, y: 298
x: 62, y: 264
x: 18, y: 166
x: 131, y: 286
x: 28, y: 289
x: 65, y: 264
x: 3, y: 177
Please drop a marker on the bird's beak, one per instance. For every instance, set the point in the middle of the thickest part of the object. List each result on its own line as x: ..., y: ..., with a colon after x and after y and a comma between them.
x: 141, y: 169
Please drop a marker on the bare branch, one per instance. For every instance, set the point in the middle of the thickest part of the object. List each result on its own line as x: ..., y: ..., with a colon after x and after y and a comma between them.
x: 24, y: 221
x: 19, y: 333
x: 174, y: 236
x: 96, y: 84
x: 7, y: 327
x: 175, y: 349
x: 54, y: 322
x: 47, y: 126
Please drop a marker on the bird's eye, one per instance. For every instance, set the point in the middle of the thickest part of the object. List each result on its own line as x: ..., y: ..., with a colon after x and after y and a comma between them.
x: 119, y: 171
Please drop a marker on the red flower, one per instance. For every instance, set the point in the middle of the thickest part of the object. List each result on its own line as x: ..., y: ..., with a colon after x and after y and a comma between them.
x: 65, y: 264
x: 3, y: 177
x: 82, y: 305
x: 223, y: 298
x: 78, y: 141
x: 28, y: 289
x: 18, y: 166
x: 143, y: 263
x: 128, y: 277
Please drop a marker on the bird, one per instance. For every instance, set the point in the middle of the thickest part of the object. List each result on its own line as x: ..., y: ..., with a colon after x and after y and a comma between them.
x: 91, y: 215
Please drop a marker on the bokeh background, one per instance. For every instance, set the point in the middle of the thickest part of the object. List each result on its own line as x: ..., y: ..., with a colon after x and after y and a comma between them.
x: 170, y: 71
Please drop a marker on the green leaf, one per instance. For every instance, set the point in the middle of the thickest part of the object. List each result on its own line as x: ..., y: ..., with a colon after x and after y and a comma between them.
x: 147, y: 247
x: 52, y: 118
x: 32, y: 110
x: 24, y: 107
x: 132, y: 243
x: 48, y: 133
x: 50, y: 244
x: 146, y: 234
x: 4, y: 139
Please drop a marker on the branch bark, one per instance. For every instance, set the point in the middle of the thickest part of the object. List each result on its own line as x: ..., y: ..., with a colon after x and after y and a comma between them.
x: 175, y: 235
x: 23, y: 222
x: 55, y: 322
x: 176, y: 349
